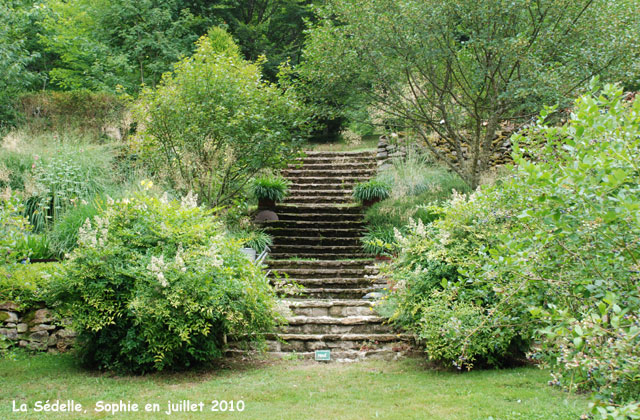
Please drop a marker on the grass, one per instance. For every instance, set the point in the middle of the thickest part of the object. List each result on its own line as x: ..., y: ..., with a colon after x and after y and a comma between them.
x: 294, y: 390
x: 367, y: 143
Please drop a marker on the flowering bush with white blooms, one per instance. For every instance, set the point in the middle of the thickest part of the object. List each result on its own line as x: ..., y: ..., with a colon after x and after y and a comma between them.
x: 550, y: 253
x: 155, y: 284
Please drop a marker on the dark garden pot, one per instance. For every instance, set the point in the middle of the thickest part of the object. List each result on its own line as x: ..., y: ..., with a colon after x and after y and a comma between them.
x: 266, y: 204
x: 368, y: 203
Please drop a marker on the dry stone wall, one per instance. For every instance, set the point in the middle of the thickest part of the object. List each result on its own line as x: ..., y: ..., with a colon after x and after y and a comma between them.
x: 36, y: 329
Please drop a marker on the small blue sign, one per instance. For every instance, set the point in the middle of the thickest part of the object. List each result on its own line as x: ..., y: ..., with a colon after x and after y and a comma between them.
x: 323, y: 355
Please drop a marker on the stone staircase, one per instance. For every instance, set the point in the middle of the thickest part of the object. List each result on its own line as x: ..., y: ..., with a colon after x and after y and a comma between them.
x: 317, y: 246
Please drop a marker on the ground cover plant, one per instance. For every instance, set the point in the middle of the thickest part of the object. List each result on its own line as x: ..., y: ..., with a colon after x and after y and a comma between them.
x: 293, y: 390
x: 549, y: 253
x: 155, y: 284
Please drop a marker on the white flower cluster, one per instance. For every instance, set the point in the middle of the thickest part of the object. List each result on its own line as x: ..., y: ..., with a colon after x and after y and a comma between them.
x: 213, y: 253
x: 157, y: 267
x: 189, y: 201
x: 94, y: 237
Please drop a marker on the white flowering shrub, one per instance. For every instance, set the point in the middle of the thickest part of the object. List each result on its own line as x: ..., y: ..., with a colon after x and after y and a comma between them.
x: 155, y: 284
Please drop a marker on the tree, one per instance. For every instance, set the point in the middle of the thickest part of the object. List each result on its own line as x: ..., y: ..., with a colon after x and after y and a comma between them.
x: 214, y: 123
x: 455, y: 70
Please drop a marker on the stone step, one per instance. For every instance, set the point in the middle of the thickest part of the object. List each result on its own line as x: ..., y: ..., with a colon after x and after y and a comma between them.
x: 354, y: 165
x: 336, y: 325
x: 323, y: 209
x: 315, y: 217
x: 321, y: 264
x: 337, y: 272
x: 330, y: 307
x: 333, y: 284
x: 294, y: 186
x: 305, y: 224
x: 318, y: 249
x: 316, y: 256
x: 309, y: 199
x: 342, y: 356
x: 319, y: 241
x: 323, y: 153
x: 313, y: 342
x: 329, y: 292
x: 315, y: 233
x: 307, y: 172
x: 304, y: 192
x: 346, y: 181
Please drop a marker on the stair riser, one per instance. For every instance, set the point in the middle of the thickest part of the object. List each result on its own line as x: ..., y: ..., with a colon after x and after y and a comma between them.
x: 320, y: 233
x: 345, y: 182
x: 336, y: 329
x: 315, y: 273
x: 304, y: 346
x: 336, y: 311
x: 302, y: 217
x: 327, y: 173
x: 306, y: 250
x: 319, y: 200
x: 338, y: 166
x: 317, y: 241
x: 320, y: 210
x: 320, y: 193
x: 283, y: 224
x: 312, y: 186
x: 320, y: 264
x: 321, y: 257
x: 338, y: 294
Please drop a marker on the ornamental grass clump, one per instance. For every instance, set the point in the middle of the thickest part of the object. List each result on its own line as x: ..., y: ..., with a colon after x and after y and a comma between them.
x: 269, y: 190
x: 156, y: 284
x: 371, y: 191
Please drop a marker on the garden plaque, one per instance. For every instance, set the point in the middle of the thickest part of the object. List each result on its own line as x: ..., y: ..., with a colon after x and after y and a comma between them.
x: 323, y: 355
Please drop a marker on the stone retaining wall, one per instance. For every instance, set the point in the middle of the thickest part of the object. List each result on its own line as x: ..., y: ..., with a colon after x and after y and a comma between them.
x: 36, y: 329
x: 388, y: 151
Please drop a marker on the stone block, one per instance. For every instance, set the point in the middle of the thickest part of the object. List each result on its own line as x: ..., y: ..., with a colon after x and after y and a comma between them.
x: 10, y: 333
x: 6, y: 316
x: 22, y: 327
x: 39, y: 336
x: 43, y: 327
x: 42, y: 316
x: 9, y: 306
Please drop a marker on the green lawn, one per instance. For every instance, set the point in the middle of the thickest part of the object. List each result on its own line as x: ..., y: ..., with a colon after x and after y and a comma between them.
x: 293, y: 390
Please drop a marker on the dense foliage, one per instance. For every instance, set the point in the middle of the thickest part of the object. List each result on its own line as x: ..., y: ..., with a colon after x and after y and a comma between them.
x: 29, y: 285
x: 156, y: 285
x: 268, y: 187
x: 453, y: 71
x: 213, y: 123
x: 372, y: 190
x: 550, y: 252
x: 14, y: 228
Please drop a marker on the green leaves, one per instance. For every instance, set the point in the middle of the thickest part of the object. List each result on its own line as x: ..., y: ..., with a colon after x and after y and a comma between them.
x: 156, y: 284
x: 213, y: 123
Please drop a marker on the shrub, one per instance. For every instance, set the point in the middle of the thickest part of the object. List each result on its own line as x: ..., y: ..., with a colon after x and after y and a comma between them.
x: 372, y: 190
x: 36, y: 246
x: 270, y: 188
x: 550, y: 252
x: 213, y: 123
x: 156, y: 285
x: 29, y: 285
x: 63, y: 236
x: 13, y: 229
x: 254, y: 238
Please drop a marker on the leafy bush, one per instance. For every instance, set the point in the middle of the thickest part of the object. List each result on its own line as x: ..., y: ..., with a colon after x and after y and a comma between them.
x: 28, y: 285
x: 371, y: 190
x: 270, y: 188
x: 13, y: 229
x: 255, y: 239
x: 213, y: 123
x: 63, y: 236
x: 156, y: 285
x: 550, y: 252
x: 36, y: 246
